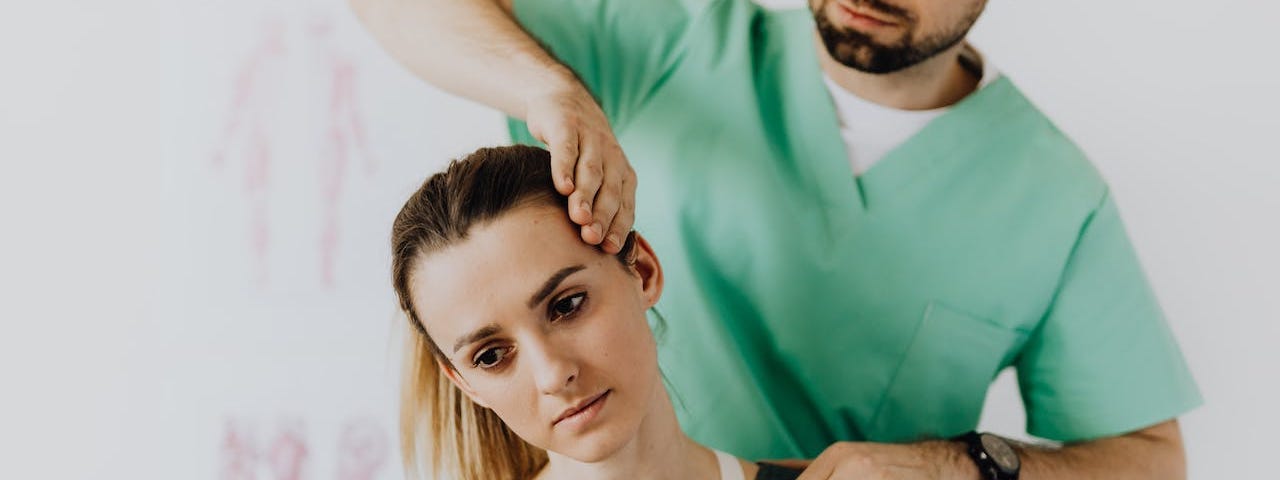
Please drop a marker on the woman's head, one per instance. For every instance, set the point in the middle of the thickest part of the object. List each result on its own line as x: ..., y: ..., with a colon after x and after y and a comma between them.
x: 517, y: 317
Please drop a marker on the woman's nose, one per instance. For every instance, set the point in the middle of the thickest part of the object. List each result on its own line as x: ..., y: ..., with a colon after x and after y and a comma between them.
x: 553, y: 369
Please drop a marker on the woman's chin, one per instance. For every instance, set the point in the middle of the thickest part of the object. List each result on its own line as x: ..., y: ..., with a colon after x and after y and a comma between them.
x: 595, y: 448
x: 597, y: 445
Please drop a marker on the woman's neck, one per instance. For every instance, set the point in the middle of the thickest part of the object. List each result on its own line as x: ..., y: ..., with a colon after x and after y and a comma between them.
x: 660, y: 450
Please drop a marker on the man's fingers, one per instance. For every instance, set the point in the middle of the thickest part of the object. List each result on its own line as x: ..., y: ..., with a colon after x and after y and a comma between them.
x: 823, y: 467
x: 564, y: 156
x: 818, y: 470
x: 588, y: 175
x: 608, y: 201
x: 625, y: 217
x: 619, y: 228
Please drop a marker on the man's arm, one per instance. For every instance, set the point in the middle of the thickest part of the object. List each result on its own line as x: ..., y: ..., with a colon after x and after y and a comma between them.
x: 476, y: 49
x: 1154, y: 453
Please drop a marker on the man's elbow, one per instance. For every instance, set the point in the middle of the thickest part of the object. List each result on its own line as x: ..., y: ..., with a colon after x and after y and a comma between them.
x: 1164, y: 441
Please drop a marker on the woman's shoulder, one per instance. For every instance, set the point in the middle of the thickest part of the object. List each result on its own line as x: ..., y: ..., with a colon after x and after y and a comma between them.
x: 734, y: 468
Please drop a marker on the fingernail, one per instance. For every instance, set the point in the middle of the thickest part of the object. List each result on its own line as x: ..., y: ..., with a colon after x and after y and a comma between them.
x: 586, y: 207
x: 611, y: 241
x: 595, y: 227
x: 568, y: 182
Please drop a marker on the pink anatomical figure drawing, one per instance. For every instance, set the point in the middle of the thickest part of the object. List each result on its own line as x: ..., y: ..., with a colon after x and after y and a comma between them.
x: 248, y: 134
x: 344, y: 134
x: 285, y: 451
x: 258, y: 118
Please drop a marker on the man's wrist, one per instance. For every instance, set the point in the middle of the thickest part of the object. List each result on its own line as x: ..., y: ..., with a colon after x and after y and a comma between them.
x: 952, y: 459
x: 555, y: 80
x: 558, y: 96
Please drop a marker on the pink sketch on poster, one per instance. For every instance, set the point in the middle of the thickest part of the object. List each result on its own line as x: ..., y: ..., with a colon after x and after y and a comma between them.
x: 288, y: 451
x: 362, y: 450
x: 344, y: 133
x: 341, y: 133
x: 247, y: 123
x: 239, y: 452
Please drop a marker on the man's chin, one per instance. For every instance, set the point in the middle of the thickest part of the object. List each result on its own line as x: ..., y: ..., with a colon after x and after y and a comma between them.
x: 862, y: 58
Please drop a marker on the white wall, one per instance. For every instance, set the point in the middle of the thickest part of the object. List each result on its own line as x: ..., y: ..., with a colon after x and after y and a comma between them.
x: 144, y: 335
x: 1175, y: 101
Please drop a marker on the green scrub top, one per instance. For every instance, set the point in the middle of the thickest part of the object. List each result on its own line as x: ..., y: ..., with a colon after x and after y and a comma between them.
x: 804, y: 305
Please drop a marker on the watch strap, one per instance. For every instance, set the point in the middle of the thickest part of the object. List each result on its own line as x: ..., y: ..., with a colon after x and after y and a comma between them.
x: 987, y: 466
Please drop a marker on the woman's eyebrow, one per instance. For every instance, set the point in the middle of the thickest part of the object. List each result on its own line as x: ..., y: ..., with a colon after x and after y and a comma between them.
x: 479, y: 334
x: 493, y: 329
x: 551, y: 284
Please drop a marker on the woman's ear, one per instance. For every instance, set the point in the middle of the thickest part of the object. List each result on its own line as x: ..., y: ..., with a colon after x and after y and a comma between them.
x: 645, y: 262
x: 461, y: 383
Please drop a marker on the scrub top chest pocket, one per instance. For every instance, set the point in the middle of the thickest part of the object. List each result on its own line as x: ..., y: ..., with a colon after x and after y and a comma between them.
x: 941, y: 383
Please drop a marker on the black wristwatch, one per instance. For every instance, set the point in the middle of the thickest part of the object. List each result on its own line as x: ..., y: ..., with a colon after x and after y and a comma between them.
x: 996, y: 459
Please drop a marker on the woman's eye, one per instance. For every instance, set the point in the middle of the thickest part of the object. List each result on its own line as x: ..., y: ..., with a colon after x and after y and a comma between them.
x: 491, y: 357
x: 567, y: 306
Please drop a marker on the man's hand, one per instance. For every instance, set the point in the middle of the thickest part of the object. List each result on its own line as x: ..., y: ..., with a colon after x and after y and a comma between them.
x: 1153, y: 452
x: 587, y: 164
x: 882, y: 461
x: 477, y: 49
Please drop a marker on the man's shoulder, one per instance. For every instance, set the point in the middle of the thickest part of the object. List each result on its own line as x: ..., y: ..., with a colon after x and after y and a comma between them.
x: 1030, y: 144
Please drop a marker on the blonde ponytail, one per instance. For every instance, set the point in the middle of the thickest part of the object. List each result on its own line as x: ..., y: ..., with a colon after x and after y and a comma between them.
x: 462, y: 440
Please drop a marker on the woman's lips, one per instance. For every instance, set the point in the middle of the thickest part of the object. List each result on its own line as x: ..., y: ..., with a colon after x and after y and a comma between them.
x: 580, y: 416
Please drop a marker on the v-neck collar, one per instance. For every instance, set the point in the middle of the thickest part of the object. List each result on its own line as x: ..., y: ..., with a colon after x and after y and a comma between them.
x: 946, y: 138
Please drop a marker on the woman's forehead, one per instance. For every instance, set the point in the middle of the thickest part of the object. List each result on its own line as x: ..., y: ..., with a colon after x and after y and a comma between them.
x: 500, y: 264
x: 526, y: 239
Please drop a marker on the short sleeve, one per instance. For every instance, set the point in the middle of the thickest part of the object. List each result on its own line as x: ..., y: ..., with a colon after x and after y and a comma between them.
x: 1103, y: 361
x: 622, y: 50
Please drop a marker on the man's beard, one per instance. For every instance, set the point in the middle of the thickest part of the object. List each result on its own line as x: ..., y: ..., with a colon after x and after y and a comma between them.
x: 860, y: 52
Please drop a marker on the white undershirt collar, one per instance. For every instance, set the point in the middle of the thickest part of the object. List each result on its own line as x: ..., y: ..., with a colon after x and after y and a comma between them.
x: 870, y: 131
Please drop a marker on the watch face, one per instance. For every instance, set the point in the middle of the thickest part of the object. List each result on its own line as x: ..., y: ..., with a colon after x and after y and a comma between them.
x: 1001, y: 453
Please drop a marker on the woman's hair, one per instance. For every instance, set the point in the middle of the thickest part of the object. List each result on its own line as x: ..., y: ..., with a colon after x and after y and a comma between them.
x: 468, y: 442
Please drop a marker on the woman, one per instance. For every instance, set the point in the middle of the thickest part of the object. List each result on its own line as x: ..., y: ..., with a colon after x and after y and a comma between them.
x: 532, y: 355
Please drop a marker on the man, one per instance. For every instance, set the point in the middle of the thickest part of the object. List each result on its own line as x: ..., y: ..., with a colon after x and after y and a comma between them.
x: 861, y: 221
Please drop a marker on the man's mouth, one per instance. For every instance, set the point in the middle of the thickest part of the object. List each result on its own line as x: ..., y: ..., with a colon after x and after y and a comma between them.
x: 863, y: 16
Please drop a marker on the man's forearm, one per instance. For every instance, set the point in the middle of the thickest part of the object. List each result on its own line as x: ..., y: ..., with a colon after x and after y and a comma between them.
x: 471, y: 48
x: 1154, y: 453
x: 476, y: 49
